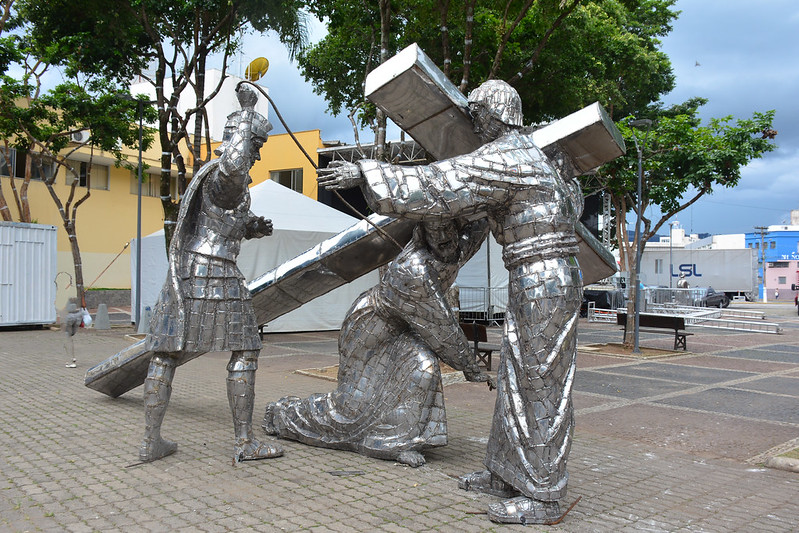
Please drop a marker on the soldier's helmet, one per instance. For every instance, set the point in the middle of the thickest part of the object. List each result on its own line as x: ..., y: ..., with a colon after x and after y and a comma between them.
x: 501, y: 99
x: 247, y: 121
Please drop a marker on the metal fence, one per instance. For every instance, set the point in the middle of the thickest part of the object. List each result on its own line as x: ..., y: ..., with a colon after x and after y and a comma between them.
x: 483, y: 303
x: 683, y: 297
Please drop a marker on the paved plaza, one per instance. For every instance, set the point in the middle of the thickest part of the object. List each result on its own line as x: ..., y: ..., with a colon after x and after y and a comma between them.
x: 673, y: 443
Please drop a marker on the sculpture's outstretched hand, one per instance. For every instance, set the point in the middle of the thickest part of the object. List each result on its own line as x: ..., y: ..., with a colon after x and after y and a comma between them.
x: 339, y: 175
x: 258, y: 227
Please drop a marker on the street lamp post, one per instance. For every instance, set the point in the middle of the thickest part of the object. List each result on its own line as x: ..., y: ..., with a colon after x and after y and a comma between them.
x: 671, y: 262
x: 644, y: 122
x: 141, y: 104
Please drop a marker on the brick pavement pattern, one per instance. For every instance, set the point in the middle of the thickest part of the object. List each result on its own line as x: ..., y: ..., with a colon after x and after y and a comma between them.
x: 666, y: 444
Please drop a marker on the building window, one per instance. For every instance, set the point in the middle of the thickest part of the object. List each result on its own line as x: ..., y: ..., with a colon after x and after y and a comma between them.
x: 288, y: 178
x: 658, y: 266
x: 12, y: 163
x: 782, y: 280
x: 98, y: 175
x: 7, y: 159
x: 151, y: 185
x: 779, y: 264
x: 773, y: 244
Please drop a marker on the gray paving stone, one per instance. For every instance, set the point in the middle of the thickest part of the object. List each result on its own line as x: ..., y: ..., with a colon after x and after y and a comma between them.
x: 677, y: 372
x: 629, y: 387
x: 742, y: 403
x: 776, y: 384
x: 762, y: 355
x: 85, y: 483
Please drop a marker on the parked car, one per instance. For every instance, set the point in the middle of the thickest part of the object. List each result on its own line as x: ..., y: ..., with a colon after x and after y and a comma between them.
x: 713, y: 298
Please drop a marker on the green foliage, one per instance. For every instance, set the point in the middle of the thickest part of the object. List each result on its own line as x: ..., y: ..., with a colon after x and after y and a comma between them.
x: 46, y: 122
x: 87, y: 36
x: 682, y: 158
x: 590, y: 50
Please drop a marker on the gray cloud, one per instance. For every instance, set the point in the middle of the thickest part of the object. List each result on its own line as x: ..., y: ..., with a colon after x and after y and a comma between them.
x: 747, y: 62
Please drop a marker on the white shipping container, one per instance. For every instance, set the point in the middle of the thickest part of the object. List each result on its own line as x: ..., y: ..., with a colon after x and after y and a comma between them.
x: 27, y: 274
x: 730, y: 271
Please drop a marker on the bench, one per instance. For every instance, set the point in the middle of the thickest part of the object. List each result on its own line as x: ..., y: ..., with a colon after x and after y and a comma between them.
x: 656, y: 323
x: 477, y: 334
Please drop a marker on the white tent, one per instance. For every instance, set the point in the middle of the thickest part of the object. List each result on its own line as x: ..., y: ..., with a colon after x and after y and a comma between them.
x: 299, y: 223
x: 483, y: 281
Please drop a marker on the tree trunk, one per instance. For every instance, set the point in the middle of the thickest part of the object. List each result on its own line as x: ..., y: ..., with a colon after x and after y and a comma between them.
x: 627, y: 263
x: 467, y: 46
x: 80, y: 290
x: 5, y: 212
x: 632, y: 283
x: 198, y: 117
x: 25, y: 206
x: 443, y: 11
x: 68, y: 221
x: 385, y: 28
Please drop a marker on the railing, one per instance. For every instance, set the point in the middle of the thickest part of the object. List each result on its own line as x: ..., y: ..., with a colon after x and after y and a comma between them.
x: 732, y: 324
x: 711, y: 317
x: 731, y: 314
x: 600, y: 315
x: 677, y: 297
x: 483, y: 303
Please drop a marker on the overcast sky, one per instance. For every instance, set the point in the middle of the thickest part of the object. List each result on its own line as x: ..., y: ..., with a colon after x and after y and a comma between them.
x: 741, y: 55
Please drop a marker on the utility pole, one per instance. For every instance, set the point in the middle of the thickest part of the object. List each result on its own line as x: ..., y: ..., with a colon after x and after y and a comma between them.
x: 762, y: 230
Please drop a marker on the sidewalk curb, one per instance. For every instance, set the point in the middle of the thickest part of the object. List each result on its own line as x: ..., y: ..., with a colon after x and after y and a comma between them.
x: 783, y: 463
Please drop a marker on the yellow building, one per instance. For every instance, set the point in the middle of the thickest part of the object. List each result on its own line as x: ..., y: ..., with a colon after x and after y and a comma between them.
x: 106, y: 222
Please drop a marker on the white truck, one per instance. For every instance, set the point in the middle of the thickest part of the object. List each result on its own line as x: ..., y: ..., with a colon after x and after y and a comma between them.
x: 733, y: 272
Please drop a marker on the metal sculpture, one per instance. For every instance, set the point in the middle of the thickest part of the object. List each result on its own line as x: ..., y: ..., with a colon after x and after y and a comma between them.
x: 532, y: 208
x: 389, y: 400
x: 204, y: 304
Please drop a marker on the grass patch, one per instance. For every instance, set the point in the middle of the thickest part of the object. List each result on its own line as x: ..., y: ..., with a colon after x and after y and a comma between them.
x: 793, y: 454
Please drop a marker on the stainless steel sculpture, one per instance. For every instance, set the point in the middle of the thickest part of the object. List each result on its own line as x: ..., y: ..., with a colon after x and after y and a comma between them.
x: 532, y: 208
x: 204, y: 304
x: 333, y: 262
x: 389, y: 400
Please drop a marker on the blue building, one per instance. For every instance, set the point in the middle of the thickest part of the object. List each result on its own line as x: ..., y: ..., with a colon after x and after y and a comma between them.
x: 778, y: 250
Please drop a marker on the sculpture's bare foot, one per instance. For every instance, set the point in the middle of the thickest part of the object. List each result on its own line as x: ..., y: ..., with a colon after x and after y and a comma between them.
x: 154, y: 449
x: 485, y: 481
x: 411, y: 458
x: 523, y: 510
x: 251, y: 450
x: 475, y: 374
x: 269, y: 419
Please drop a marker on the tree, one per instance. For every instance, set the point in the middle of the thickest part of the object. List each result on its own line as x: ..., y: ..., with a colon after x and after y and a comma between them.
x: 682, y: 161
x: 175, y: 39
x: 559, y: 54
x: 40, y: 125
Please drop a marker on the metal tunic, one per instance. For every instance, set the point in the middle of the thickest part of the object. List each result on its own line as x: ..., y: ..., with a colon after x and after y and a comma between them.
x: 205, y: 305
x: 532, y: 212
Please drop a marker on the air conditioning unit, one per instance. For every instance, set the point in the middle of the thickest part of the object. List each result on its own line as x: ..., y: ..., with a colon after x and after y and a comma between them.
x: 80, y: 136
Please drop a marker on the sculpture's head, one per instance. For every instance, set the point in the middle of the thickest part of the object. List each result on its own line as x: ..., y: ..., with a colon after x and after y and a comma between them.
x: 245, y: 130
x: 495, y: 107
x: 441, y: 238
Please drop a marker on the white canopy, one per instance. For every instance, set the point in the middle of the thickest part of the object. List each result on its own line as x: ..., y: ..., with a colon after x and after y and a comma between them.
x: 483, y: 280
x: 299, y: 223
